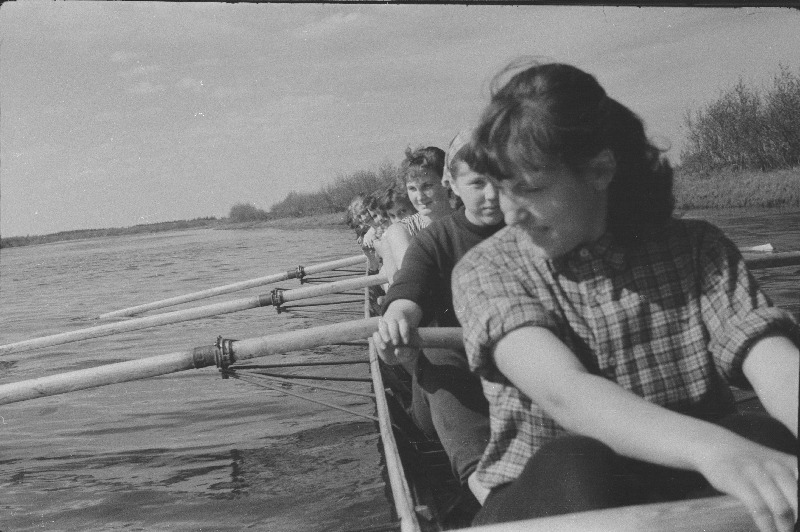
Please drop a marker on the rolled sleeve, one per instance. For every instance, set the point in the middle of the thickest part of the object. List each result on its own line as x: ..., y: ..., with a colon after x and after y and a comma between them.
x: 491, y: 299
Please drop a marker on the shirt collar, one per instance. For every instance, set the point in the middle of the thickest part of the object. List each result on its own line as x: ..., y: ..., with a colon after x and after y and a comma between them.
x: 605, y: 249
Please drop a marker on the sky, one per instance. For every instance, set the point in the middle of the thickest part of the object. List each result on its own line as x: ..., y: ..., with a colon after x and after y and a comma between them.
x: 114, y: 114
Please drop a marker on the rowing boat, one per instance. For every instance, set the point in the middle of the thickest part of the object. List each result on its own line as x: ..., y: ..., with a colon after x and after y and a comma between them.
x: 423, y: 492
x: 428, y: 486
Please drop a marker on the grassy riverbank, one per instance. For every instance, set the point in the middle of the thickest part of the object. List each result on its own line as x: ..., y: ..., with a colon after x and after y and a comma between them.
x: 78, y: 234
x: 778, y: 189
x: 317, y: 221
x: 728, y: 189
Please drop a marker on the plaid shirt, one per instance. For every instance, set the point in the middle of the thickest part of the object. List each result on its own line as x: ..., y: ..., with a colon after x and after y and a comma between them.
x: 670, y: 320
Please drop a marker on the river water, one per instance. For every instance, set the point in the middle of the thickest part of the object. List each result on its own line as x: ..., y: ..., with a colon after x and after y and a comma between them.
x: 192, y: 451
x: 189, y: 451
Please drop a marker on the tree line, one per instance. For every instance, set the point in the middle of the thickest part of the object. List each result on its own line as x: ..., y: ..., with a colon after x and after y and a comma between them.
x: 331, y: 198
x: 746, y: 129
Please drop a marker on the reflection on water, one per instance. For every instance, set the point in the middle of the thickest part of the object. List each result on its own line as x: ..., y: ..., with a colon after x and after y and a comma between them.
x: 192, y: 451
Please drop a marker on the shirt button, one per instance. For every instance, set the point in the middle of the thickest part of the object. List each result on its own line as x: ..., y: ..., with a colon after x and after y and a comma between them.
x: 584, y: 253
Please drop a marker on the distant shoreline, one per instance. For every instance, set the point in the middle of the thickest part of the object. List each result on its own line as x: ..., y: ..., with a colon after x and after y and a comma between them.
x: 695, y: 194
x: 328, y: 221
x: 324, y: 221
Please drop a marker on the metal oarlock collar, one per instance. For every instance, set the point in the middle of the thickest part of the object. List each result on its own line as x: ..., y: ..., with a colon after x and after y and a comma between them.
x: 301, y: 273
x: 223, y: 357
x: 297, y: 273
x: 277, y: 299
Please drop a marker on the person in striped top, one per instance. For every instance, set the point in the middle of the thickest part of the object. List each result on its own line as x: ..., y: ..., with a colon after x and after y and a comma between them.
x: 421, y: 178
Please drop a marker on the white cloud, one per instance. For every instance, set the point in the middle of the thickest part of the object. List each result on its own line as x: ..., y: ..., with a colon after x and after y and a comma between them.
x: 328, y: 26
x: 224, y: 93
x: 145, y: 87
x: 122, y: 57
x: 191, y: 84
x: 140, y: 70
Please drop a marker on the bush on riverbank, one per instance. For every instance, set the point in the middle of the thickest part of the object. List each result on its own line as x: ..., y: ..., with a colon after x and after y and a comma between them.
x: 336, y: 196
x: 747, y: 129
x: 247, y: 212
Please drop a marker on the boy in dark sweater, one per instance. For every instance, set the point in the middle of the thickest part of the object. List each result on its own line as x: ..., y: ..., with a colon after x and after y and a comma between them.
x: 448, y: 401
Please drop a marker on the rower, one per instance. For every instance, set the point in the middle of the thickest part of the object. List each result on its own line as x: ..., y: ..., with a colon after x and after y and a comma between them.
x: 448, y: 402
x: 607, y: 332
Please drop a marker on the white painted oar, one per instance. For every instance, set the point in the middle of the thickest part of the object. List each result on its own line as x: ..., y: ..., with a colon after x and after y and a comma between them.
x: 712, y: 514
x: 224, y: 353
x: 276, y: 298
x: 299, y: 273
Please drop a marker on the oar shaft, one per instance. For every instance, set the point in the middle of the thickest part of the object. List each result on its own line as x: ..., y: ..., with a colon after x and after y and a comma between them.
x: 132, y: 325
x: 211, y: 292
x: 773, y: 260
x: 206, y: 356
x: 334, y: 287
x: 96, y: 377
x: 190, y: 314
x: 234, y: 287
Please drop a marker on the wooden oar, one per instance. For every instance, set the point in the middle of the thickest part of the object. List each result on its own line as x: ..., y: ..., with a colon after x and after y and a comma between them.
x: 762, y: 248
x: 226, y: 352
x: 712, y: 514
x: 300, y: 272
x: 773, y: 260
x: 194, y: 313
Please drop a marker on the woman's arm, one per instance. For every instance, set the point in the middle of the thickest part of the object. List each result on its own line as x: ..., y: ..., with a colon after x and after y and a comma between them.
x: 388, y: 266
x: 547, y: 371
x: 398, y: 239
x: 773, y: 371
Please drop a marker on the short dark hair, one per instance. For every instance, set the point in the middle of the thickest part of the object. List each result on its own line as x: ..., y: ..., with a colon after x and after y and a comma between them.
x: 557, y: 113
x: 371, y: 201
x: 430, y: 158
x: 393, y: 196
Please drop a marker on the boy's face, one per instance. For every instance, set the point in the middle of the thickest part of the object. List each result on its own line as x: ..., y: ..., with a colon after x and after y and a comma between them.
x: 427, y: 194
x: 560, y: 209
x: 480, y: 196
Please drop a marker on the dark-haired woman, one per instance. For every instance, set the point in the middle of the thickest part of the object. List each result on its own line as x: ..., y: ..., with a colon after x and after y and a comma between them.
x: 606, y: 331
x: 421, y: 178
